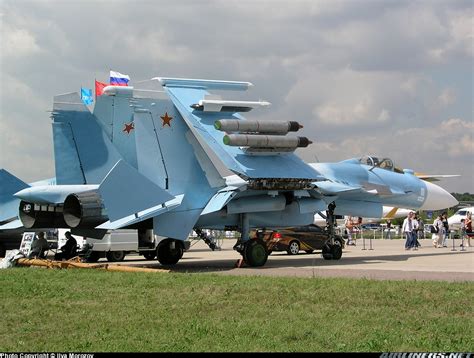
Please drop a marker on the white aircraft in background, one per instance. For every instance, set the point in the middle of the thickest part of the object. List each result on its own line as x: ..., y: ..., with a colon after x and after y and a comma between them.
x: 389, y: 212
x: 455, y: 219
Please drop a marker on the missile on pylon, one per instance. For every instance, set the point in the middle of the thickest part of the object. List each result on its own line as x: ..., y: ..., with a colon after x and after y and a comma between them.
x: 265, y: 141
x: 256, y: 126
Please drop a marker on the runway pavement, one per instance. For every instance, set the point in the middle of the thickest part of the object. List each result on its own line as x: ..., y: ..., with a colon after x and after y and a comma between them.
x: 386, y: 260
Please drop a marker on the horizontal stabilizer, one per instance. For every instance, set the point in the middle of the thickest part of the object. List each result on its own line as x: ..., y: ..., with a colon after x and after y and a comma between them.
x: 142, y: 215
x: 125, y: 192
x: 9, y: 184
x: 15, y: 224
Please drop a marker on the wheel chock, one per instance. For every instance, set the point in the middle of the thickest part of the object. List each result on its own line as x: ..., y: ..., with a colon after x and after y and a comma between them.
x: 240, y: 262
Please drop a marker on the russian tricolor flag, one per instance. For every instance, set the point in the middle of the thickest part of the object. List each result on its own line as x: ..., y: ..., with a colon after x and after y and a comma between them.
x: 118, y: 79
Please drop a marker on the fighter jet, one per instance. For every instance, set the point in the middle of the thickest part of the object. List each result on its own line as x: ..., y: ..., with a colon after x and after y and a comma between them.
x: 171, y: 156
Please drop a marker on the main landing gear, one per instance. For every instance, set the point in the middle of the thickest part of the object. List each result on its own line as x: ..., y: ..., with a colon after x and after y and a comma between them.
x: 332, y: 250
x: 254, y: 252
x: 169, y: 251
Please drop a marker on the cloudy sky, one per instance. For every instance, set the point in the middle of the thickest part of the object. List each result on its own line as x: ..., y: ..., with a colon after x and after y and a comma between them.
x: 387, y: 78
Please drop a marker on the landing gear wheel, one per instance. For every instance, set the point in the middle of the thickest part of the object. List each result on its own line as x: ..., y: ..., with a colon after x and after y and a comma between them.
x: 332, y: 252
x: 94, y: 256
x: 336, y: 251
x: 115, y: 256
x: 169, y: 252
x: 149, y: 255
x: 327, y: 254
x: 255, y: 253
x: 293, y: 248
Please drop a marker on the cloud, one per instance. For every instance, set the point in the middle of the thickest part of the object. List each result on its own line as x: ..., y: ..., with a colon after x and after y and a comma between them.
x: 18, y: 42
x: 361, y: 111
x: 461, y: 37
x: 440, y: 149
x: 447, y: 97
x: 360, y: 76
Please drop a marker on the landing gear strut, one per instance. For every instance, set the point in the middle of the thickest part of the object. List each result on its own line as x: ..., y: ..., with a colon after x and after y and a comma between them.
x: 332, y: 250
x: 206, y: 239
x: 254, y: 252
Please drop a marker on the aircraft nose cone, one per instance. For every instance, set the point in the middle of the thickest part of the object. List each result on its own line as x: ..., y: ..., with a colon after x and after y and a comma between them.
x: 437, y: 198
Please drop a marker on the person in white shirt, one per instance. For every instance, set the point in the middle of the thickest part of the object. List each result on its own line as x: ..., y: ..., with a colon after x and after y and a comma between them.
x: 409, y: 227
x: 438, y: 235
x: 349, y: 227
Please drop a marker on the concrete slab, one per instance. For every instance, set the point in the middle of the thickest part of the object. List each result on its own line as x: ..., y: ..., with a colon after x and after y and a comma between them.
x: 387, y: 260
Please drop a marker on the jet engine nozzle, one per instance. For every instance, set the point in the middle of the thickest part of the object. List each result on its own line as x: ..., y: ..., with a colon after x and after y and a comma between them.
x: 85, y: 210
x: 40, y: 216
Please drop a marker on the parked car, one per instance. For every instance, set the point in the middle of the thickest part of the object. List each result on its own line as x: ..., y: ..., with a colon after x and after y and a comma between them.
x: 371, y: 226
x: 293, y: 240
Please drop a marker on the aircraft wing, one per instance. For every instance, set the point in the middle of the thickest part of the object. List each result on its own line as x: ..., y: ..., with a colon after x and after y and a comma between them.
x: 435, y: 177
x: 185, y: 94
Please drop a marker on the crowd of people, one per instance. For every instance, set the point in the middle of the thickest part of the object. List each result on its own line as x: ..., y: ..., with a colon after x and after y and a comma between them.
x: 413, y: 230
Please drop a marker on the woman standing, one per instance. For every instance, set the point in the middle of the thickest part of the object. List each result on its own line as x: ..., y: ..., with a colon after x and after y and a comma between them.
x: 437, y: 234
x: 468, y: 226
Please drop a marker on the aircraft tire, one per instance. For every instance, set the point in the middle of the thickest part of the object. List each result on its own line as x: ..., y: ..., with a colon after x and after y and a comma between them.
x: 168, y: 256
x: 332, y: 252
x: 327, y: 252
x: 255, y: 253
x: 115, y: 256
x: 336, y: 251
x: 149, y: 255
x: 93, y: 257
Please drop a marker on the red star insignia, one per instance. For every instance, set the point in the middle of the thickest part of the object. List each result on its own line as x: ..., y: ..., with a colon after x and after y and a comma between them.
x: 166, y: 119
x: 128, y: 127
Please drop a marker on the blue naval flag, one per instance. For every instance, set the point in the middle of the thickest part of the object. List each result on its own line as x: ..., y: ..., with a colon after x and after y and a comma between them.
x: 86, y: 95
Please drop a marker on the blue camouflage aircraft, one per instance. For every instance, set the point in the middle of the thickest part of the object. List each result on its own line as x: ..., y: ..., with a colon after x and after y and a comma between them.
x: 170, y: 156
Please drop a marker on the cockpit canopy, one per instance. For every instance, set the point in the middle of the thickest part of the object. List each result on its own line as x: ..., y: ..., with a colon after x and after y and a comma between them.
x: 382, y: 163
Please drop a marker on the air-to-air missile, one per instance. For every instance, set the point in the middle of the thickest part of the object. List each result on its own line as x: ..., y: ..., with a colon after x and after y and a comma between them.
x: 261, y: 134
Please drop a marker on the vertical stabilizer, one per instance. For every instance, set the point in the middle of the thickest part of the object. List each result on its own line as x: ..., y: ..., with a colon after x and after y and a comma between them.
x: 82, y: 150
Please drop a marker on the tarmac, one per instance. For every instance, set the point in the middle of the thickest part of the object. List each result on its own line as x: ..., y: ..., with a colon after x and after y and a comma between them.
x: 373, y: 259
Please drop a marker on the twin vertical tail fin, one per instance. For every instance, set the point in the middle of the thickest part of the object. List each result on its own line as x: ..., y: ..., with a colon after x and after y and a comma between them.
x: 83, y: 152
x: 144, y: 129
